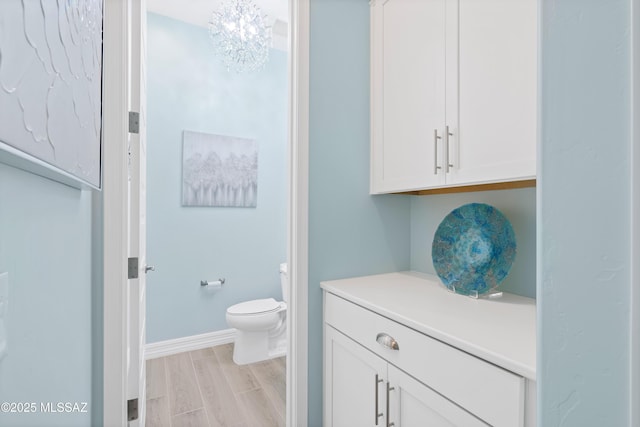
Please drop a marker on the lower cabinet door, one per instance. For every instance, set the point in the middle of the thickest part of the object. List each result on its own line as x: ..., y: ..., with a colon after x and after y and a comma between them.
x: 413, y: 404
x: 355, y: 380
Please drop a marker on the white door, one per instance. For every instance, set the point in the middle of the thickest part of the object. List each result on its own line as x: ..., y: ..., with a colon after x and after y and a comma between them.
x: 408, y: 93
x: 413, y: 404
x: 355, y: 378
x: 137, y: 210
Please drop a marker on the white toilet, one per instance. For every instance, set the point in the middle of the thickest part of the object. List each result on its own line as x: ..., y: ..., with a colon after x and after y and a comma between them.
x: 260, y: 326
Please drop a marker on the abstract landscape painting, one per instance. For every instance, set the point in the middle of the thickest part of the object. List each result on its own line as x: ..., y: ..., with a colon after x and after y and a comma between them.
x: 219, y: 171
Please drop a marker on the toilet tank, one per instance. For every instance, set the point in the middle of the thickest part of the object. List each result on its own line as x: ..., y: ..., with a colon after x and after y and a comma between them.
x: 284, y: 281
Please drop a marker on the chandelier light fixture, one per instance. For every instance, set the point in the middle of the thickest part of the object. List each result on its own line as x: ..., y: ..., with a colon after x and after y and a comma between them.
x: 240, y: 35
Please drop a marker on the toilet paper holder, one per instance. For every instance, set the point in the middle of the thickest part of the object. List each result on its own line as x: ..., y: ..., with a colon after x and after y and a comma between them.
x: 216, y: 283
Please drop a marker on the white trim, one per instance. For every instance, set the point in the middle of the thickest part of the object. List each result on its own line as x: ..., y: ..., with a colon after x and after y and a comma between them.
x: 115, y: 217
x: 19, y: 159
x: 298, y: 244
x: 194, y: 342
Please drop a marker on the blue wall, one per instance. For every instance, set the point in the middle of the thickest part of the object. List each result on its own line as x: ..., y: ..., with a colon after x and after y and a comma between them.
x: 45, y: 245
x: 584, y: 214
x: 188, y: 88
x: 350, y: 232
x: 519, y: 206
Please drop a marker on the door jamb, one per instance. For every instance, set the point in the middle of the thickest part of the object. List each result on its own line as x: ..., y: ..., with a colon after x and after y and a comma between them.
x: 115, y: 216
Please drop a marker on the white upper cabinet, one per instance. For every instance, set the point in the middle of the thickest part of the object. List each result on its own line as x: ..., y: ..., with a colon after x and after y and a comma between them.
x: 453, y: 93
x: 495, y: 125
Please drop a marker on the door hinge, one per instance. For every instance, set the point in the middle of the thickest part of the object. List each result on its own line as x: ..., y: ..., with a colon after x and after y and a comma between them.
x: 133, y: 268
x: 132, y: 409
x: 134, y: 122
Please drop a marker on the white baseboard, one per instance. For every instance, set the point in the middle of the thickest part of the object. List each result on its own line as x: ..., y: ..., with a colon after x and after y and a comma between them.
x: 194, y: 342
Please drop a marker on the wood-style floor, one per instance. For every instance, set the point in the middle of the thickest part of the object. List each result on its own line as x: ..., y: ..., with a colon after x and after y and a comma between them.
x: 206, y: 388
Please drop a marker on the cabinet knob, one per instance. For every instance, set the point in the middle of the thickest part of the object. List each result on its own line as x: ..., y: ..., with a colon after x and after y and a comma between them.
x: 387, y: 341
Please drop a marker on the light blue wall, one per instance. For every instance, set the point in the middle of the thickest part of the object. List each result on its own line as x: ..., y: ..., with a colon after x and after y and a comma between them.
x: 188, y: 88
x: 350, y: 232
x: 584, y: 214
x: 519, y: 206
x: 45, y: 245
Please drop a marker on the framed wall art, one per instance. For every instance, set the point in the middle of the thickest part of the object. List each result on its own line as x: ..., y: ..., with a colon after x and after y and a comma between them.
x: 220, y: 171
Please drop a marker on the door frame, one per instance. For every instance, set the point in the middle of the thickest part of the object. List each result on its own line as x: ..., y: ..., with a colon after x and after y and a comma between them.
x: 116, y: 227
x: 298, y: 216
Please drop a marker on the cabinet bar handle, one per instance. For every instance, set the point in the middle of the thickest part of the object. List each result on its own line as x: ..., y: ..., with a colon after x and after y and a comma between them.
x: 387, y: 341
x: 378, y: 415
x: 435, y: 151
x: 389, y: 388
x: 447, y: 134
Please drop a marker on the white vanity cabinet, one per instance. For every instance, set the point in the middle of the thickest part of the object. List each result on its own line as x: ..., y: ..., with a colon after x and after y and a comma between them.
x: 453, y: 93
x: 401, y: 350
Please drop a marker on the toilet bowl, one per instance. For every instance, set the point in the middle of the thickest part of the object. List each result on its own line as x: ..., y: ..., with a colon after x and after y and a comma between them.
x: 260, y: 325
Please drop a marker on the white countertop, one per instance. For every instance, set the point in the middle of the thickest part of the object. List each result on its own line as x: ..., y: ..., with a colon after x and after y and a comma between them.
x: 501, y: 331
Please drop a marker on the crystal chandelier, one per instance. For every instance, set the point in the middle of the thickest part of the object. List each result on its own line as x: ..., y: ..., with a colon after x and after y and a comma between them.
x: 240, y: 35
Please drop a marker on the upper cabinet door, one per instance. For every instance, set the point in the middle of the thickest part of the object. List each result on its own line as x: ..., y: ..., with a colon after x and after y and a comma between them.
x: 493, y: 115
x: 408, y: 93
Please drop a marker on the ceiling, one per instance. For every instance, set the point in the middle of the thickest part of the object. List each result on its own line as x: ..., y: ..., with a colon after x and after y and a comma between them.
x: 198, y: 12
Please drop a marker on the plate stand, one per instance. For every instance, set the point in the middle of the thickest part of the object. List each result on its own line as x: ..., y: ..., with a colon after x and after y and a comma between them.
x: 475, y: 295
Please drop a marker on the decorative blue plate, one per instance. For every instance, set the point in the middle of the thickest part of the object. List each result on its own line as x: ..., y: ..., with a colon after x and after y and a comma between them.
x: 473, y: 249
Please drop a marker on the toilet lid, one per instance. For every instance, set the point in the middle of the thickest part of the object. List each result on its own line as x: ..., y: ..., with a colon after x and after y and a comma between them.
x: 255, y: 306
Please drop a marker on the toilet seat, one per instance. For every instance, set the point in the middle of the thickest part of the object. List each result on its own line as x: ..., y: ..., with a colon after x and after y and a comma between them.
x: 256, y: 306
